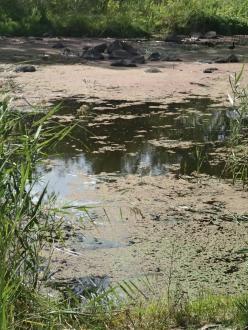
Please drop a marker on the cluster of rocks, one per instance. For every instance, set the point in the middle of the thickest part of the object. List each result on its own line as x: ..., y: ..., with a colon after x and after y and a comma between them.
x: 120, y: 53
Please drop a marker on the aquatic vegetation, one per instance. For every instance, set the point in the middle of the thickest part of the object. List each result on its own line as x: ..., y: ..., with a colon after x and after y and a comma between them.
x: 237, y: 163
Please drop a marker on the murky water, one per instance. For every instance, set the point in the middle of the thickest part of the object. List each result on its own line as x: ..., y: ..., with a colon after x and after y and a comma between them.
x: 116, y: 138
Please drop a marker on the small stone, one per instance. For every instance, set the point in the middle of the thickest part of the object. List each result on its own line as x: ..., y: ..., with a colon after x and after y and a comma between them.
x: 209, y: 70
x: 58, y: 45
x: 153, y: 70
x: 25, y: 68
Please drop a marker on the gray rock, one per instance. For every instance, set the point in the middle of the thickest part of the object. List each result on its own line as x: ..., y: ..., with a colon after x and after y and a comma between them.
x: 173, y: 38
x: 138, y: 59
x: 25, y: 68
x: 171, y: 58
x: 210, y: 70
x: 92, y: 55
x: 100, y: 48
x: 229, y: 59
x: 115, y: 45
x: 58, y: 45
x: 121, y: 45
x: 119, y: 54
x: 210, y: 35
x: 153, y: 70
x: 129, y: 48
x: 156, y: 56
x: 196, y: 35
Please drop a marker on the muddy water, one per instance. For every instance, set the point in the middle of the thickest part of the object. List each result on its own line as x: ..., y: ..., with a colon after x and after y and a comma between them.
x: 118, y: 138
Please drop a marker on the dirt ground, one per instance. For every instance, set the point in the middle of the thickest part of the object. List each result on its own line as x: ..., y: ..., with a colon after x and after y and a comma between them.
x: 59, y: 76
x: 170, y: 229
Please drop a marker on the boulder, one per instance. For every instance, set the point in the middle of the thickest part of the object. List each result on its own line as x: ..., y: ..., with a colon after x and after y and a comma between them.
x: 92, y: 55
x: 173, y: 38
x: 210, y: 35
x: 115, y: 45
x: 121, y: 45
x: 156, y: 56
x: 25, y: 68
x: 129, y: 48
x: 119, y: 54
x: 196, y: 35
x: 138, y: 59
x: 229, y: 59
x: 100, y: 48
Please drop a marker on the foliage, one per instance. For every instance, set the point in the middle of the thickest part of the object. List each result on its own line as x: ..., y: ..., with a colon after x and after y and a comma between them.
x: 123, y: 18
x: 237, y: 163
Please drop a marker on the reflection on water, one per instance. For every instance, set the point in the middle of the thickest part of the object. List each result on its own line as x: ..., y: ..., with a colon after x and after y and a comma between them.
x: 145, y: 139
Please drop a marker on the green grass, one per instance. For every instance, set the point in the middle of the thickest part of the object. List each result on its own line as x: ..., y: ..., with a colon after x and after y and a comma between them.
x: 122, y: 18
x: 237, y: 161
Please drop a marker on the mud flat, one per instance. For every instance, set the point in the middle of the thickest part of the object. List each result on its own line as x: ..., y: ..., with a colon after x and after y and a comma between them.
x: 189, y: 229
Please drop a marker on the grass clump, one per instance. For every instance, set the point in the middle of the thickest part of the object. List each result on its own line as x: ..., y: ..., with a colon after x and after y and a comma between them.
x: 237, y: 162
x: 27, y: 221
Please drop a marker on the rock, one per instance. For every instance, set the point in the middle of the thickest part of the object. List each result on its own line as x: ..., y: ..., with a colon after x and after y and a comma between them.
x: 119, y: 54
x: 196, y: 35
x: 58, y: 45
x: 123, y: 63
x: 92, y: 55
x: 25, y: 68
x: 138, y: 59
x: 156, y: 56
x: 210, y: 35
x: 171, y: 58
x: 210, y: 70
x: 66, y: 52
x: 100, y: 48
x: 129, y: 48
x: 229, y: 59
x: 209, y: 43
x: 173, y: 38
x: 115, y: 45
x: 118, y: 45
x: 153, y: 70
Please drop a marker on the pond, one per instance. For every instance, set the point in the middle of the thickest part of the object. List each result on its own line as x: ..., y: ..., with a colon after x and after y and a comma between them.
x: 120, y: 138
